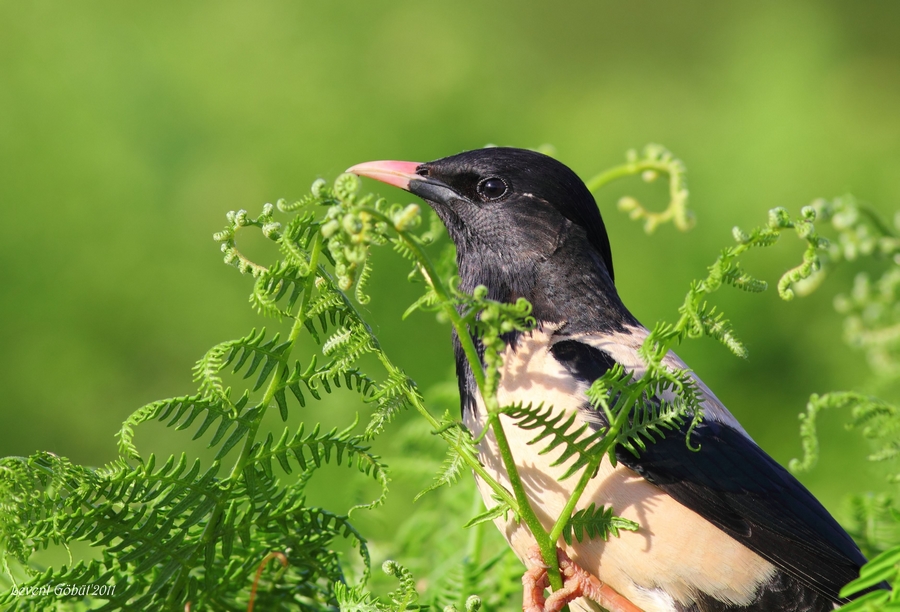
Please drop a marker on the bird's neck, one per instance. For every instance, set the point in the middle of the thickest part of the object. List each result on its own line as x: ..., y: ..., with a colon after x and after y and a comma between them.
x: 570, y: 288
x: 571, y: 293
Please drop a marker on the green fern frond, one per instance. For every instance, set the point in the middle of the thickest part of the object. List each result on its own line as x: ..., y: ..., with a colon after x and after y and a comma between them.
x: 316, y: 379
x: 332, y: 308
x: 36, y: 491
x: 338, y: 340
x: 313, y: 449
x: 402, y: 249
x: 451, y: 471
x: 492, y: 579
x: 450, y: 590
x: 874, y: 416
x: 500, y: 510
x: 593, y: 522
x: 326, y: 301
x: 268, y: 354
x: 390, y: 397
x: 386, y: 408
x: 347, y: 345
x: 181, y: 412
x: 652, y: 161
x: 150, y: 521
x: 80, y: 504
x: 402, y: 599
x: 883, y: 568
x: 736, y: 277
x: 250, y: 348
x: 428, y: 301
x: 716, y: 326
x: 357, y: 599
x: 276, y: 282
x: 873, y: 522
x: 178, y: 534
x: 298, y: 375
x: 297, y: 237
x: 365, y: 274
x: 207, y: 369
x: 562, y: 432
x: 455, y: 463
x: 650, y: 418
x: 406, y: 595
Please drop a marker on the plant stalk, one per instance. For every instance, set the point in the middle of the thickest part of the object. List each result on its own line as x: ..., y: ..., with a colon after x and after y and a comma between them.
x: 269, y: 394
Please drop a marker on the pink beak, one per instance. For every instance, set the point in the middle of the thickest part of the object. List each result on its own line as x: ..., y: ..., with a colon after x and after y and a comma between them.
x: 396, y: 173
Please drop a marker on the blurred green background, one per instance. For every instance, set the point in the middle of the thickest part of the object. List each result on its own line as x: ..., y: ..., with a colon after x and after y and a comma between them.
x: 127, y: 130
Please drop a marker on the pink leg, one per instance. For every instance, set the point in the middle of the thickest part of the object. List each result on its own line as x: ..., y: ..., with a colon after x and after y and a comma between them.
x: 534, y: 582
x: 576, y: 583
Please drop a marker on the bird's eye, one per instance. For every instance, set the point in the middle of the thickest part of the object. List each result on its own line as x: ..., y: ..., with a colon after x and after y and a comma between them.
x: 492, y: 188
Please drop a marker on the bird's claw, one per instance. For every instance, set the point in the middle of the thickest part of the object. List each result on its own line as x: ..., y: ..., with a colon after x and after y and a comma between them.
x: 576, y: 583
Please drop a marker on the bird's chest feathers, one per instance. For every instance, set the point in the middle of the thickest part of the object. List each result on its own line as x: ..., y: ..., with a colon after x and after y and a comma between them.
x: 531, y: 375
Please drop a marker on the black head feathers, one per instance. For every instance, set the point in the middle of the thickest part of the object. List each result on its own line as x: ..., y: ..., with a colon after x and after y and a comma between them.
x: 503, y: 203
x: 509, y: 187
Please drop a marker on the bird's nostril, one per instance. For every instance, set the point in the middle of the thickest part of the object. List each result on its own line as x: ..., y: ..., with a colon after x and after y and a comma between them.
x: 422, y: 170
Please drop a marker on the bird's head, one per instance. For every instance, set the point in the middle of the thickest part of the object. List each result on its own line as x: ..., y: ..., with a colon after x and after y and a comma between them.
x: 502, y: 206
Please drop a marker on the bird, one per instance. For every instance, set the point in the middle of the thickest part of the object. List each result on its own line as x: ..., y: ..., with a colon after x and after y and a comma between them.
x: 722, y: 526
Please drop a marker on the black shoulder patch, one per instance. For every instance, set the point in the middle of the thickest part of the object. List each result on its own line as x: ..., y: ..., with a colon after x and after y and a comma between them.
x: 583, y: 361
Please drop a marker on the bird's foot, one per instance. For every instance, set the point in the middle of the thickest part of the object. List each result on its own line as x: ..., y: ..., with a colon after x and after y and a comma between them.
x: 534, y: 582
x: 576, y: 583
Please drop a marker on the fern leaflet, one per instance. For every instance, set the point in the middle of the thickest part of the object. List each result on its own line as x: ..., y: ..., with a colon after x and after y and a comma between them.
x: 593, y: 522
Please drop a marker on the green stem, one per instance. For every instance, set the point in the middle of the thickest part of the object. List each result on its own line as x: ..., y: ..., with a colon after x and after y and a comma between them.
x: 473, y: 463
x: 241, y: 462
x: 284, y: 370
x: 629, y: 169
x: 526, y: 512
x: 473, y: 552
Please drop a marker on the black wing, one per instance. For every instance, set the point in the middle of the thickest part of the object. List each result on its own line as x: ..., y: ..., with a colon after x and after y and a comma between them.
x: 736, y: 486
